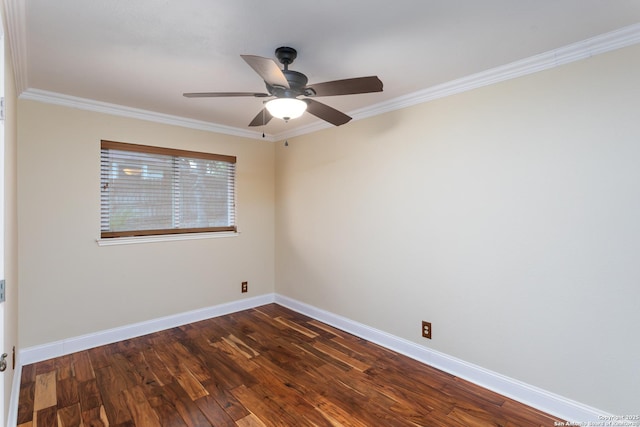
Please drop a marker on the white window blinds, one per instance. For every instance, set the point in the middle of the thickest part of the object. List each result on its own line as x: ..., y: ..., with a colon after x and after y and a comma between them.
x: 151, y: 190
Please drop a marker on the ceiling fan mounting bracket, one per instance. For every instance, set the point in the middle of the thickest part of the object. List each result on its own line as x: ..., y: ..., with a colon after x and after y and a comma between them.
x: 286, y: 55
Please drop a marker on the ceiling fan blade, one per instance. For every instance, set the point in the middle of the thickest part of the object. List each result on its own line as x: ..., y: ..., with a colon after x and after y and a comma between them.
x: 267, y: 69
x: 347, y: 86
x: 326, y: 113
x: 261, y: 119
x: 223, y: 94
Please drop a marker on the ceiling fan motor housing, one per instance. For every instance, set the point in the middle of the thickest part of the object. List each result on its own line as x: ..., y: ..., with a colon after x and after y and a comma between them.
x: 297, y: 82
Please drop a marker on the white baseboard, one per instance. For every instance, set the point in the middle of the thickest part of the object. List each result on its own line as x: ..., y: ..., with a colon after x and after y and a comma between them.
x: 543, y: 400
x: 84, y: 342
x: 535, y: 397
x: 12, y: 416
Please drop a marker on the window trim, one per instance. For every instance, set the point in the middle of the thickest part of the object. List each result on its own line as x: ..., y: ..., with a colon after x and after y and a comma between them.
x: 165, y: 238
x: 147, y: 149
x: 125, y: 146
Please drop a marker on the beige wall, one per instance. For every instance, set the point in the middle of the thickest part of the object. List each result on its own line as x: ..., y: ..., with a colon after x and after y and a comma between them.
x: 508, y: 216
x: 10, y: 222
x: 69, y: 286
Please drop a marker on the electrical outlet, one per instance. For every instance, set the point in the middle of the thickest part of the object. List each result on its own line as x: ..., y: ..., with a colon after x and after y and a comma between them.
x: 245, y: 287
x: 426, y: 329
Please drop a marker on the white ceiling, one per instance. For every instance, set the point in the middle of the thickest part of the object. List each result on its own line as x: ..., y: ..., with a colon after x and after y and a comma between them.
x: 145, y: 53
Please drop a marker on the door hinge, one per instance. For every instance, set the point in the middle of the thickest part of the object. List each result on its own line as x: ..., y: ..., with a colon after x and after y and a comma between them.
x: 2, y: 108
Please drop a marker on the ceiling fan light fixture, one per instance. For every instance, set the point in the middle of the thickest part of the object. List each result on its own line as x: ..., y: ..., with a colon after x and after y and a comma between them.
x: 286, y: 108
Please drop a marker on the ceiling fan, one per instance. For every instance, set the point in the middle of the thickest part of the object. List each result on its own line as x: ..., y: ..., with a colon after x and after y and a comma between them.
x: 286, y: 86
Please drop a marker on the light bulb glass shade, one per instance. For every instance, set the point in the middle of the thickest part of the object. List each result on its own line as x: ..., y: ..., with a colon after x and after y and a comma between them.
x: 286, y: 108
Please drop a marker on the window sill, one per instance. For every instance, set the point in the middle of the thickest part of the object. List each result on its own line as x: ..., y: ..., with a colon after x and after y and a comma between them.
x: 165, y: 238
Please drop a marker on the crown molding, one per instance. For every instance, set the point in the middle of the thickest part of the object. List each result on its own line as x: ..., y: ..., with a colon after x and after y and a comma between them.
x: 603, y: 43
x: 136, y: 113
x: 15, y: 15
x: 607, y: 42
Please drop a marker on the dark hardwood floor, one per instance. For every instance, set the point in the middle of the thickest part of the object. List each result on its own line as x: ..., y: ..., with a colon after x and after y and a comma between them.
x: 267, y: 366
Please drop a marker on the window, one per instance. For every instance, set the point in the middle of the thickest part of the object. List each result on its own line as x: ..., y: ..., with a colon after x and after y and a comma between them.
x: 151, y: 190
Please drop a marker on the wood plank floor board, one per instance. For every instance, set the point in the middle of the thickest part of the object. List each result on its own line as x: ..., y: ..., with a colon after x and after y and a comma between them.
x: 226, y: 400
x: 430, y: 394
x: 64, y: 367
x: 250, y: 421
x: 25, y: 400
x: 221, y: 367
x: 237, y: 355
x: 188, y: 410
x: 158, y: 369
x: 89, y: 395
x: 28, y: 374
x: 82, y: 366
x: 67, y: 392
x: 351, y: 395
x: 111, y: 387
x: 315, y: 357
x: 125, y: 371
x: 95, y: 417
x: 399, y: 405
x: 141, y: 411
x: 169, y: 416
x: 519, y: 415
x: 45, y: 367
x: 279, y: 390
x: 267, y: 366
x: 69, y: 416
x: 315, y: 384
x: 46, y: 417
x: 45, y: 394
x: 270, y: 412
x: 212, y: 410
x: 99, y: 356
x: 190, y: 362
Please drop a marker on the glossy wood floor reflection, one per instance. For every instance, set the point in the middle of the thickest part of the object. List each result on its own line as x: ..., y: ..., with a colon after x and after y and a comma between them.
x: 267, y: 366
